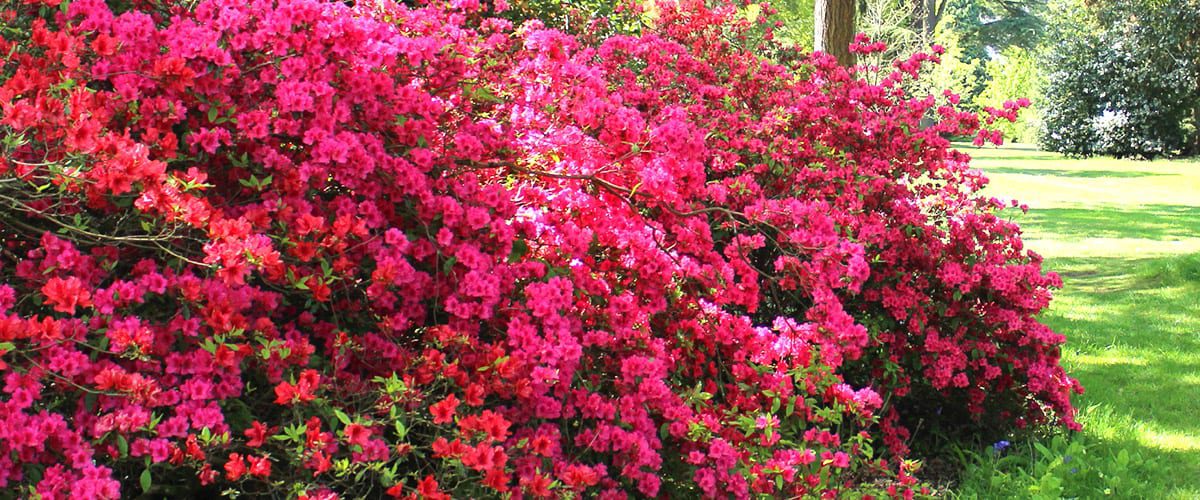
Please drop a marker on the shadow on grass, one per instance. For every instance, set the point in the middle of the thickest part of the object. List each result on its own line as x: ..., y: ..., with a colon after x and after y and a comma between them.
x: 1152, y: 389
x: 984, y: 156
x: 1157, y: 222
x: 1054, y: 172
x: 1010, y: 152
x: 1133, y: 340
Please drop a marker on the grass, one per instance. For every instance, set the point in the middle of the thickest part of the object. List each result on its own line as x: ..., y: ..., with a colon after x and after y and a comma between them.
x: 1125, y: 236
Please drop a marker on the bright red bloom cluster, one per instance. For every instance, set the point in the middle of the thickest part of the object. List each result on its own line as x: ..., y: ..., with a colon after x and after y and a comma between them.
x: 295, y: 245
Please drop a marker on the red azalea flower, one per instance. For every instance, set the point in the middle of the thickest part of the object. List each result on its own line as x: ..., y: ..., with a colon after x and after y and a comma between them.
x: 448, y: 449
x: 65, y: 294
x: 301, y: 392
x: 206, y: 475
x: 428, y: 488
x: 319, y: 463
x: 285, y: 393
x: 235, y: 467
x: 104, y: 45
x: 538, y: 486
x: 474, y: 395
x: 357, y: 434
x: 193, y: 448
x: 540, y: 445
x: 259, y: 466
x: 320, y: 290
x: 314, y: 439
x: 497, y: 480
x: 257, y: 434
x: 443, y: 412
x: 580, y: 477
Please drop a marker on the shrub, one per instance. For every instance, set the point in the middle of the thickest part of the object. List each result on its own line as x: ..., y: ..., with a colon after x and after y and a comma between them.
x: 1122, y: 79
x: 303, y: 247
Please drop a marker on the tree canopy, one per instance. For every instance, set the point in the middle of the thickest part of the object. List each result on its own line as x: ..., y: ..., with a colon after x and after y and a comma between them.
x: 1124, y: 79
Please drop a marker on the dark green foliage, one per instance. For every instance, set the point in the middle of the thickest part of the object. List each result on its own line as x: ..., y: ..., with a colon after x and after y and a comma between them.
x: 1124, y: 80
x: 1001, y: 23
x: 1071, y: 100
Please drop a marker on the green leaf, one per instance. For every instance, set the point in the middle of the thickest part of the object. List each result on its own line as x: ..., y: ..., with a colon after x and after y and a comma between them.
x: 155, y: 418
x: 1042, y: 449
x: 519, y: 249
x: 212, y: 114
x: 144, y: 480
x: 341, y: 416
x: 484, y: 94
x: 122, y: 445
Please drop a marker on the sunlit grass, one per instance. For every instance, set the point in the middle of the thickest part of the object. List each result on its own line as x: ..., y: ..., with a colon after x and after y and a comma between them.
x: 1125, y: 236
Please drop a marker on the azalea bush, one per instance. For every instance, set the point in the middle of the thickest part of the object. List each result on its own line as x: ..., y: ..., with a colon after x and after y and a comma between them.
x: 299, y: 247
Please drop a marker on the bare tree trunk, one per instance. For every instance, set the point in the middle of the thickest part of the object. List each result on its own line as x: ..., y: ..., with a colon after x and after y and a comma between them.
x: 834, y: 28
x: 1196, y: 132
x: 926, y: 15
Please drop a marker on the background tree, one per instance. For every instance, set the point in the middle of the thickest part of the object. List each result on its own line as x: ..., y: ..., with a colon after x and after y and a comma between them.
x: 891, y: 21
x: 834, y: 28
x: 996, y: 23
x: 796, y: 21
x: 926, y: 14
x: 1013, y: 73
x: 1124, y: 79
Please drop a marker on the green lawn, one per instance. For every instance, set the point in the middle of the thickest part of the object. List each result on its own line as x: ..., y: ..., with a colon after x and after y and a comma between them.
x: 1125, y: 236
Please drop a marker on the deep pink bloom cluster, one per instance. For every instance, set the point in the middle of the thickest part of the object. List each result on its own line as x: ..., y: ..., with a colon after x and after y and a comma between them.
x: 299, y: 246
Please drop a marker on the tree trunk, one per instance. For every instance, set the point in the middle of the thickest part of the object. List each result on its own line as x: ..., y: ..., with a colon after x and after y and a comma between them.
x: 926, y: 15
x: 1196, y: 130
x: 834, y: 28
